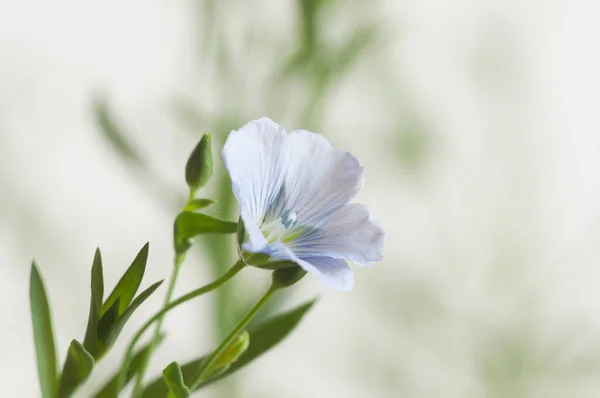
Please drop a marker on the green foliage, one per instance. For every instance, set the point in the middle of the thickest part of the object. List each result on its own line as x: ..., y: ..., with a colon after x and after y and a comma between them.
x: 90, y: 341
x: 268, y: 334
x: 189, y: 225
x: 174, y: 381
x: 263, y: 337
x: 129, y: 282
x: 197, y: 204
x: 78, y: 367
x: 106, y: 321
x: 103, y: 326
x: 109, y: 389
x: 43, y: 334
x: 116, y: 327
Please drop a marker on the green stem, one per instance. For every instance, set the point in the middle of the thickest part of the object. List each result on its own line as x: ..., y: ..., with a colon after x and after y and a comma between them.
x: 237, y: 267
x: 203, y: 373
x: 191, y: 196
x: 155, y: 337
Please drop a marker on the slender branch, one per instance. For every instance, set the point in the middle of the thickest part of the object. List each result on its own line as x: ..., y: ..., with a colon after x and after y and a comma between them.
x: 204, y: 371
x: 237, y: 267
x: 179, y: 259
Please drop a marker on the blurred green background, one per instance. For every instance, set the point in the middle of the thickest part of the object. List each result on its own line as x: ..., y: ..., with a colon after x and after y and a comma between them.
x: 477, y: 125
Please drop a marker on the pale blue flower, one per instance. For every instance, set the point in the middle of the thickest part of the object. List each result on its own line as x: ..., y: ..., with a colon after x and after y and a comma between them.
x: 293, y: 190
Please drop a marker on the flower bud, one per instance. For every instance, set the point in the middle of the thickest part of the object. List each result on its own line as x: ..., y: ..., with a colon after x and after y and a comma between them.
x: 230, y: 355
x: 199, y: 165
x: 286, y: 277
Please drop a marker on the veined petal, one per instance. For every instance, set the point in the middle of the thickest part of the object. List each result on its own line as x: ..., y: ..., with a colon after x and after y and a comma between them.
x: 318, y: 180
x: 253, y: 158
x: 350, y: 233
x: 256, y: 239
x: 333, y: 273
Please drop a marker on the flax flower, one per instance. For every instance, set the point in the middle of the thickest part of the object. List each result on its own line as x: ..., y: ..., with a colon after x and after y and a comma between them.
x: 293, y: 190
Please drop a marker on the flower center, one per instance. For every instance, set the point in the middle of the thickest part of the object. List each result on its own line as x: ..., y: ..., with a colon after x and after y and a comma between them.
x: 281, y: 229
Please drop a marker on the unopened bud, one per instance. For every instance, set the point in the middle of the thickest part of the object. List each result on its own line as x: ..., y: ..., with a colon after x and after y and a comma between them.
x: 286, y: 277
x: 198, y: 169
x: 230, y: 355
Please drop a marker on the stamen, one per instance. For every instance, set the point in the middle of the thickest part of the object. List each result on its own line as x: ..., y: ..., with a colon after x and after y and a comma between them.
x: 280, y: 230
x: 289, y: 219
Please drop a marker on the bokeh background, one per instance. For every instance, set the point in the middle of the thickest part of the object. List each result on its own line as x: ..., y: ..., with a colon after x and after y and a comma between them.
x: 477, y: 123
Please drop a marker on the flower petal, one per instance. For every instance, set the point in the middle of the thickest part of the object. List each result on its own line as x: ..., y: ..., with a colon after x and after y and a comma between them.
x: 333, y: 273
x: 350, y: 233
x: 318, y: 178
x: 256, y: 239
x: 253, y: 158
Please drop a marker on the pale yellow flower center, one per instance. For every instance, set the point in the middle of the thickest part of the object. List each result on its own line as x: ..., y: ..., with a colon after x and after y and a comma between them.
x: 282, y: 229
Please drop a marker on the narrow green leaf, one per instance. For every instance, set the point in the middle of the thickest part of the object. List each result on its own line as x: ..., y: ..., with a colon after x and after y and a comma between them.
x: 78, y: 367
x: 129, y: 282
x: 109, y: 390
x: 197, y: 204
x: 264, y: 337
x: 174, y: 381
x: 105, y: 326
x: 191, y: 224
x: 268, y: 334
x: 90, y: 341
x: 188, y: 224
x: 43, y: 334
x: 118, y: 325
